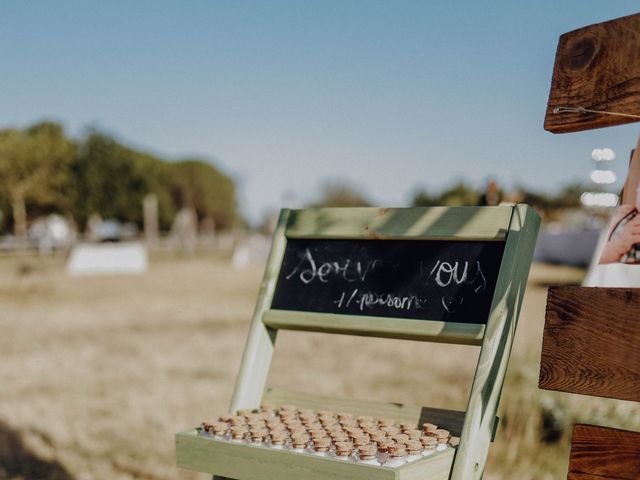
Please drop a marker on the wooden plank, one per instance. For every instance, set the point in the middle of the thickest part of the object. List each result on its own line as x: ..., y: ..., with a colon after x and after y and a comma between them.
x: 605, y: 452
x: 451, y: 420
x: 598, y: 68
x: 258, y: 350
x: 586, y: 476
x: 437, y: 467
x: 590, y: 342
x: 468, y: 223
x: 496, y: 346
x: 247, y: 462
x: 424, y: 330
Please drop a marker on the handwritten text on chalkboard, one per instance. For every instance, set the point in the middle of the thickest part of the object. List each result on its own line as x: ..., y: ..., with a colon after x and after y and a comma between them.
x: 436, y: 280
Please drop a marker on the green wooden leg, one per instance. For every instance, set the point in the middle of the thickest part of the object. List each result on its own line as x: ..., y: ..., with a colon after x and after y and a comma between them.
x: 496, y: 346
x: 256, y: 359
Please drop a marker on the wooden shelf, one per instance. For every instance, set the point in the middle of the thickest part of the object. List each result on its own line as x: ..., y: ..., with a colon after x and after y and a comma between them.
x: 249, y: 462
x: 516, y: 226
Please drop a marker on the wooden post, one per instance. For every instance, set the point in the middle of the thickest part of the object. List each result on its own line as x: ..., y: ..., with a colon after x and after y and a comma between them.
x: 591, y: 335
x: 150, y: 214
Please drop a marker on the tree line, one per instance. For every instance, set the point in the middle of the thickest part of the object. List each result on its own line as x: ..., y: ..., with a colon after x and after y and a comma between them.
x: 42, y: 170
x: 549, y: 204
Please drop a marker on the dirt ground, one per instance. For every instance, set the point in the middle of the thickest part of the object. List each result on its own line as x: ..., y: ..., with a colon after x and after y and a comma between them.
x: 98, y: 373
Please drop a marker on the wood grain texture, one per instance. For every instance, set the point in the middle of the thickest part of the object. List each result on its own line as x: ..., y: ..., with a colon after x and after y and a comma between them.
x: 247, y: 462
x: 590, y: 342
x: 605, y: 452
x: 451, y: 420
x: 424, y: 330
x: 496, y: 345
x: 586, y: 476
x: 596, y: 67
x: 437, y: 467
x: 258, y: 350
x: 433, y: 223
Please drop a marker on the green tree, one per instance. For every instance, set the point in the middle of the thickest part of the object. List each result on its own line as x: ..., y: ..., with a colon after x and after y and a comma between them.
x: 459, y: 194
x: 569, y: 195
x: 199, y: 185
x: 112, y: 180
x: 34, y: 169
x: 425, y: 199
x: 339, y: 193
x: 542, y: 201
x: 5, y: 210
x: 456, y: 195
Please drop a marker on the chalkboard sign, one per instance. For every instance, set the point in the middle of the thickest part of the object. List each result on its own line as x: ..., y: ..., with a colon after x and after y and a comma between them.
x: 443, y: 280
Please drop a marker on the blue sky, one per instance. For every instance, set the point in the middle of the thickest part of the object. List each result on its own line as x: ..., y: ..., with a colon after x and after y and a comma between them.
x: 392, y: 96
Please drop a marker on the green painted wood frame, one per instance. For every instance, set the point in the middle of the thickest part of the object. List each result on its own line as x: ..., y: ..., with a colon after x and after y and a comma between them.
x: 517, y: 226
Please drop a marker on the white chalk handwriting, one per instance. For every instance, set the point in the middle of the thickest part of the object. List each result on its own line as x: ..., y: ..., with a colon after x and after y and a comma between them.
x: 308, y: 270
x: 457, y: 273
x: 366, y: 299
x: 443, y: 274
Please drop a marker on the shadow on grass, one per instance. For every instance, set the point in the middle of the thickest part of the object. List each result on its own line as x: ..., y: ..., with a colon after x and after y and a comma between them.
x: 18, y: 462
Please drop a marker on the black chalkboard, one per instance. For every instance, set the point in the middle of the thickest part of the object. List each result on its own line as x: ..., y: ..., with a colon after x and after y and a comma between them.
x: 451, y: 281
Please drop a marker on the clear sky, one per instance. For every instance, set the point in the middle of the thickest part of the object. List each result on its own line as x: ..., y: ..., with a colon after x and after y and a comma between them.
x: 392, y: 96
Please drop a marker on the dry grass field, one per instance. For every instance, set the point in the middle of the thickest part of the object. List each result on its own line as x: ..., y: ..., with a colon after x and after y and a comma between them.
x: 98, y: 373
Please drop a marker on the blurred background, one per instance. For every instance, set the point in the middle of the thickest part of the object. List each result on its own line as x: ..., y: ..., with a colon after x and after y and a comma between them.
x: 146, y: 148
